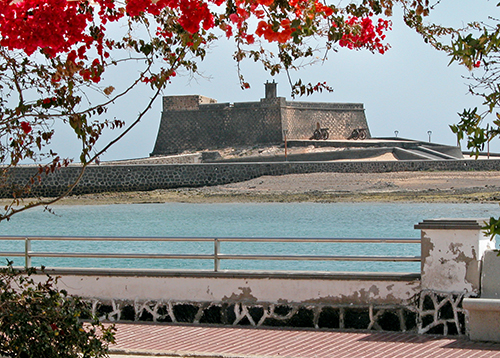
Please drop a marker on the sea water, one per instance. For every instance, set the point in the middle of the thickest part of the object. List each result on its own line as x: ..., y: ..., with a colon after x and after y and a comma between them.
x: 308, y: 220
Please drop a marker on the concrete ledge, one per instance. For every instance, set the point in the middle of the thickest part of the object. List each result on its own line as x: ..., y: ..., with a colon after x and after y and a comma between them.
x: 451, y: 224
x: 484, y: 320
x: 481, y: 304
x: 292, y: 275
x: 205, y: 286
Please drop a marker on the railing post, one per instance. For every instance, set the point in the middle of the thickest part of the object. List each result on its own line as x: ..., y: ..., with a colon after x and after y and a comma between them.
x: 27, y: 250
x: 216, y: 255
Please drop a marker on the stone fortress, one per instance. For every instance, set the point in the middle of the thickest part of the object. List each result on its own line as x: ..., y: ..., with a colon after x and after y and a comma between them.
x: 200, y: 123
x: 198, y: 126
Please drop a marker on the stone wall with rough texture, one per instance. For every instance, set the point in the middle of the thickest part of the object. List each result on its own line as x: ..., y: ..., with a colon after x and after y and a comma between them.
x: 197, y: 123
x: 428, y: 312
x: 221, y: 125
x: 341, y: 119
x: 186, y: 103
x: 120, y: 178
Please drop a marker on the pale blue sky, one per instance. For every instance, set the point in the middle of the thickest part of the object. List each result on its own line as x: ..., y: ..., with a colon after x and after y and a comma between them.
x: 410, y: 89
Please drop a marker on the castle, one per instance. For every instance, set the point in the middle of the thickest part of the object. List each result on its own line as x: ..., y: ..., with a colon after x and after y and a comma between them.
x: 197, y: 123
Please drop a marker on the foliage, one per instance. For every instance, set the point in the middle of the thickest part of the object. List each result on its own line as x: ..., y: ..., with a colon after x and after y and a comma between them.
x: 476, y: 46
x: 38, y: 320
x: 492, y: 227
x: 57, y: 58
x: 480, y: 51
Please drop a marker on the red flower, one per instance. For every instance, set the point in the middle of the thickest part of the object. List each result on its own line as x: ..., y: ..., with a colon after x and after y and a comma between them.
x: 26, y: 127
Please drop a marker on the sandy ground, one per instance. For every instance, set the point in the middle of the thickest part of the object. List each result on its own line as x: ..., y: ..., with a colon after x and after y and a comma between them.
x: 326, y: 187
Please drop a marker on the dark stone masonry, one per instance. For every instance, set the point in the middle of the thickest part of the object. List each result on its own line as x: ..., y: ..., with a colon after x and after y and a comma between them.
x: 129, y: 177
x: 199, y: 123
x: 428, y: 312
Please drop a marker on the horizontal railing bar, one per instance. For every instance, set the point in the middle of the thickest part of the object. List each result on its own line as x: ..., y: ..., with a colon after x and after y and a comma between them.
x: 121, y: 256
x: 28, y: 253
x: 321, y: 258
x: 210, y: 239
x: 12, y: 254
x: 211, y: 257
x: 103, y: 238
x: 341, y: 239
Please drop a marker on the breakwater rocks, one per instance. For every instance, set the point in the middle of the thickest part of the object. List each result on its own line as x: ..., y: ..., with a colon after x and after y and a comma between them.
x: 145, y: 177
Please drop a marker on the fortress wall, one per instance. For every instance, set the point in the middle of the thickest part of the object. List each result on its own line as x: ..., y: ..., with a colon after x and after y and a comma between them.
x: 186, y: 103
x: 340, y: 118
x: 199, y: 123
x: 218, y: 125
x: 122, y: 178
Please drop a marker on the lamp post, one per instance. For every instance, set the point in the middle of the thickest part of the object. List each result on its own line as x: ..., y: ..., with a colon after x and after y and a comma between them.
x: 285, y: 132
x: 429, y: 133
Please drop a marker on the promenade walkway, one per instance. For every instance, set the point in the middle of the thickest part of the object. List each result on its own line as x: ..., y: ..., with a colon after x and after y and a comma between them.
x: 227, y: 342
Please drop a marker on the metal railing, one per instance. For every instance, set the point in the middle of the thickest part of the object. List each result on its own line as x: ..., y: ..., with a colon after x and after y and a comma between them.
x: 216, y: 256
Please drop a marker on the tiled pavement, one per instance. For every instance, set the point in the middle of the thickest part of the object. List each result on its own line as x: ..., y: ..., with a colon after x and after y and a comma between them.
x: 228, y: 342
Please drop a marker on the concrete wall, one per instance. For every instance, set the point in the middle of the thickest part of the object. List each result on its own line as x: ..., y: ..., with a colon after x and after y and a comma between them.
x: 315, y: 300
x: 235, y: 287
x: 150, y: 177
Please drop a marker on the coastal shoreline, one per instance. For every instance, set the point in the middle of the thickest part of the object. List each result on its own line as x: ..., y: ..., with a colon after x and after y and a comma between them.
x: 446, y: 187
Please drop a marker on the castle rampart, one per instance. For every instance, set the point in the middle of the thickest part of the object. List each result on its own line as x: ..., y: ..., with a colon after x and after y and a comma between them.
x: 198, y: 123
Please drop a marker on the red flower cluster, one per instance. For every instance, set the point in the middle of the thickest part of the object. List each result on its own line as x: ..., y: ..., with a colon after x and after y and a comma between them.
x: 364, y: 34
x: 26, y: 127
x: 72, y: 27
x: 52, y: 25
x: 242, y: 14
x: 361, y: 32
x: 94, y: 72
x: 309, y: 6
x: 194, y: 14
x: 266, y: 30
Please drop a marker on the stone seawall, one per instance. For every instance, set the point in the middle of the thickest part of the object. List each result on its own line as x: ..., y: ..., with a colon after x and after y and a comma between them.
x: 121, y: 178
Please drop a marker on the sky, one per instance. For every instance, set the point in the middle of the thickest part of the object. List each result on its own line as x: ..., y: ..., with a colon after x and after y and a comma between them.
x: 411, y: 88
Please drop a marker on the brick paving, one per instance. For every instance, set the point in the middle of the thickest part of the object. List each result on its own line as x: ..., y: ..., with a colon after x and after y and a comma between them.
x: 229, y: 342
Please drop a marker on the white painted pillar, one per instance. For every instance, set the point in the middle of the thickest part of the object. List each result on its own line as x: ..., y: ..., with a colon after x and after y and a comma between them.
x: 451, y: 254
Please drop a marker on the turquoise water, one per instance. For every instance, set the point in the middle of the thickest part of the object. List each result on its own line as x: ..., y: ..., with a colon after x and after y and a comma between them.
x: 235, y: 220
